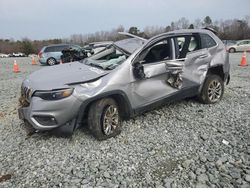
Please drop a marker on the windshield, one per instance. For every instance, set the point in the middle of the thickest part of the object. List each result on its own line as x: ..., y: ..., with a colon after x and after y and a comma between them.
x: 107, y: 59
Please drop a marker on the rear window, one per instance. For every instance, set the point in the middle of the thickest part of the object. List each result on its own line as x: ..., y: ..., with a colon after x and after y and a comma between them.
x: 55, y: 48
x: 207, y: 41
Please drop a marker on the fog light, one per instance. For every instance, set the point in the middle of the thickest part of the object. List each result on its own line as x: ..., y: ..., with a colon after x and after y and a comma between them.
x: 46, y: 120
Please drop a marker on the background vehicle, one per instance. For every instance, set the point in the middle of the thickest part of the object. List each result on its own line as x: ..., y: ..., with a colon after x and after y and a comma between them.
x: 240, y: 46
x: 3, y: 55
x: 127, y: 78
x: 71, y: 54
x: 18, y: 54
x: 51, y: 55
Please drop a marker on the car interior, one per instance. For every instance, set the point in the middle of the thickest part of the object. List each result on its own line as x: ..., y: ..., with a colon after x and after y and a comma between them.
x: 159, y: 52
x: 185, y: 45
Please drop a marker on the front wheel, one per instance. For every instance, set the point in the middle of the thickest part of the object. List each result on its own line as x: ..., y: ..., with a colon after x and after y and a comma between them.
x: 104, y: 119
x: 212, y: 90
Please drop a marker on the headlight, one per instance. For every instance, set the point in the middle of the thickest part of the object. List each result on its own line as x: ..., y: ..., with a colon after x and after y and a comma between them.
x: 92, y: 84
x: 54, y: 95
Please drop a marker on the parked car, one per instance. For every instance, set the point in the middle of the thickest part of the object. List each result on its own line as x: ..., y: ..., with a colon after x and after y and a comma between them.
x: 240, y: 46
x: 51, y: 55
x: 127, y: 78
x: 3, y: 55
x: 18, y: 54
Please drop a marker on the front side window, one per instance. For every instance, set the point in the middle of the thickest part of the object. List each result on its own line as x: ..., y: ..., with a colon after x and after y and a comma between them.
x: 158, y: 52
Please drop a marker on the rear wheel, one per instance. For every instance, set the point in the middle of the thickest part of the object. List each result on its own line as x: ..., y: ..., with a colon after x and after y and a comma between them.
x: 51, y: 61
x: 104, y: 119
x: 212, y: 90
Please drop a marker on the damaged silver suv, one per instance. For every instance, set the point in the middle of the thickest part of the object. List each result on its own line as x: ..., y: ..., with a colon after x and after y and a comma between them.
x: 126, y: 78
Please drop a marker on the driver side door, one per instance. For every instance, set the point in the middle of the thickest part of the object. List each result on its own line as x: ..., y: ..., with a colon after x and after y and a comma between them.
x: 155, y: 59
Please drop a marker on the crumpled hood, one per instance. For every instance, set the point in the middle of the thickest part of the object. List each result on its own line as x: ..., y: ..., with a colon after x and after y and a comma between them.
x: 59, y: 76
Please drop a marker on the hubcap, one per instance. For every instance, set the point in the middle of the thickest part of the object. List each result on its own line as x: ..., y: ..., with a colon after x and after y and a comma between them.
x: 51, y: 62
x: 214, y: 91
x: 110, y: 120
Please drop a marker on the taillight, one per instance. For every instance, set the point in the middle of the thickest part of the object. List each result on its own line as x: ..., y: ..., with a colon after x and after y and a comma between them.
x: 40, y: 54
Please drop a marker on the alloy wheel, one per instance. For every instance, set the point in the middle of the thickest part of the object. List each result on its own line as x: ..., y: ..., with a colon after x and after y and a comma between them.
x: 110, y: 119
x: 214, y: 91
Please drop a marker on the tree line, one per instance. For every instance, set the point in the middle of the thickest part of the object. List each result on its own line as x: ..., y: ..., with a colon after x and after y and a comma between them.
x: 231, y: 29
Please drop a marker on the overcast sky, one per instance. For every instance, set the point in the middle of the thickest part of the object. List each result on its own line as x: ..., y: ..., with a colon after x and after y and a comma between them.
x: 43, y: 19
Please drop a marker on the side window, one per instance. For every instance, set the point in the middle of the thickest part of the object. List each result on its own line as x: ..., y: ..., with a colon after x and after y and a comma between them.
x: 185, y: 44
x: 243, y: 43
x: 75, y: 47
x: 158, y: 52
x: 61, y: 48
x: 207, y: 41
x: 49, y: 49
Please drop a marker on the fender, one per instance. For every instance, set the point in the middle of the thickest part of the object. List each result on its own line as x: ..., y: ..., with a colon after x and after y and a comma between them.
x: 115, y: 93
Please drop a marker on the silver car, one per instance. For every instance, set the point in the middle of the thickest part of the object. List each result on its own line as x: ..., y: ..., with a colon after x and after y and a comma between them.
x: 240, y: 46
x: 127, y: 78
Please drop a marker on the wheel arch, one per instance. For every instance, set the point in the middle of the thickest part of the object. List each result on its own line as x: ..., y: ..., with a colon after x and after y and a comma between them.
x: 217, y: 70
x: 232, y: 48
x: 119, y: 96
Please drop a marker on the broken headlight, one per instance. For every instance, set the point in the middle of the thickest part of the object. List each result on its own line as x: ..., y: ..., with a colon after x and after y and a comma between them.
x: 54, y: 95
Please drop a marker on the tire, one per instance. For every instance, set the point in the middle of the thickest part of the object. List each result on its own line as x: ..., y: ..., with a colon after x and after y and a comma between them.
x: 232, y: 50
x: 51, y: 61
x: 213, y: 90
x: 99, y: 117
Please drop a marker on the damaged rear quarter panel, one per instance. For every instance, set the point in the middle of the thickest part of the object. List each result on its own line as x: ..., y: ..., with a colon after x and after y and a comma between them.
x: 196, y: 66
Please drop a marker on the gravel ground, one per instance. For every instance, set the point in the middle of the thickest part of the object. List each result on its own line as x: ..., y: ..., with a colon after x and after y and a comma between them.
x: 184, y: 144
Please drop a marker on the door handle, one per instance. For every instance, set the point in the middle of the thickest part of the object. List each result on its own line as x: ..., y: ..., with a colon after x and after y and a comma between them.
x: 203, y: 56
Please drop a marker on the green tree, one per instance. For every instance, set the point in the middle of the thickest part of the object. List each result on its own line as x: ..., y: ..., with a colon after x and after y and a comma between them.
x: 207, y: 21
x: 168, y: 28
x: 134, y: 30
x: 191, y: 26
x: 27, y: 47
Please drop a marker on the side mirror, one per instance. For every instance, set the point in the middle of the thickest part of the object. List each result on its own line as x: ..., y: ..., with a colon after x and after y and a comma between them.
x: 138, y: 70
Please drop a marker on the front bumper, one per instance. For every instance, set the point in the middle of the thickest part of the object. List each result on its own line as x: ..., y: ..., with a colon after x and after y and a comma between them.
x: 62, y: 111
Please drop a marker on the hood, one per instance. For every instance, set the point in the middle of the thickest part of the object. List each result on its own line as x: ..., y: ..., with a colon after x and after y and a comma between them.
x: 60, y: 76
